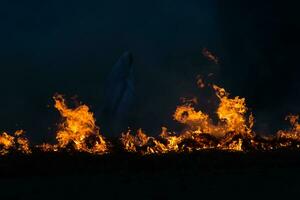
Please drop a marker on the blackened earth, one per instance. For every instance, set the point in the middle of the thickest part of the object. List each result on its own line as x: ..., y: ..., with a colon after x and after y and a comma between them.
x: 120, y: 175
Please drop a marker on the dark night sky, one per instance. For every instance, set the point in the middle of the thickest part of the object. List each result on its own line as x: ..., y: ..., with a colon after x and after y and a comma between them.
x: 70, y: 46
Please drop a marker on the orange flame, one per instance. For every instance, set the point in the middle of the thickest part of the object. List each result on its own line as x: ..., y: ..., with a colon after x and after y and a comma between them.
x: 77, y: 131
x: 294, y: 132
x: 233, y: 113
x: 291, y: 136
x: 232, y: 129
x: 10, y: 143
x: 142, y: 143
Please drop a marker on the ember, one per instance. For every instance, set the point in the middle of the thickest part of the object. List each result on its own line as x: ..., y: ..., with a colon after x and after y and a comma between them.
x: 210, y: 56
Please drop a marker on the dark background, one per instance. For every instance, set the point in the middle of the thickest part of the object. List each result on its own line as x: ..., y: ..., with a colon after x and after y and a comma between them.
x: 69, y: 47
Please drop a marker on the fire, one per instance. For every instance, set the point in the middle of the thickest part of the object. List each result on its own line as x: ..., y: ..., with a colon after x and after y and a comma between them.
x: 196, y: 121
x: 233, y: 111
x: 290, y: 137
x: 233, y: 129
x: 142, y: 143
x: 6, y: 142
x: 45, y: 147
x: 78, y: 130
x: 294, y: 132
x: 172, y: 140
x: 9, y: 143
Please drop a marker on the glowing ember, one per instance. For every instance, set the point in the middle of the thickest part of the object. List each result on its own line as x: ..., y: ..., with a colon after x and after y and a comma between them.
x: 210, y: 56
x: 45, y: 147
x: 142, y: 143
x: 200, y: 82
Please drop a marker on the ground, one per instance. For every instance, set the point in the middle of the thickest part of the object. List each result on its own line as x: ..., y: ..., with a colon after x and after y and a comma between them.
x: 172, y: 176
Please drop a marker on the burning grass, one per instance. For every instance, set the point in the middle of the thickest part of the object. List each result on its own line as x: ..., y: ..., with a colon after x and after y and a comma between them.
x: 77, y: 131
x: 15, y: 142
x: 231, y: 131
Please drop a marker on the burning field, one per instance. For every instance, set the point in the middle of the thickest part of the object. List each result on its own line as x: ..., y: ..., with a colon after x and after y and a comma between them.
x: 218, y: 151
x: 149, y: 100
x: 229, y: 128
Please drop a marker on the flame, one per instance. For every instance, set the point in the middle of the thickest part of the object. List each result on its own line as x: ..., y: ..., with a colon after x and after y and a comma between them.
x: 294, y: 132
x: 196, y: 121
x: 233, y: 113
x: 6, y: 142
x: 142, y: 143
x: 290, y: 137
x: 77, y: 131
x: 233, y: 129
x: 229, y: 130
x: 233, y: 121
x: 45, y: 147
x: 172, y: 140
x: 17, y: 142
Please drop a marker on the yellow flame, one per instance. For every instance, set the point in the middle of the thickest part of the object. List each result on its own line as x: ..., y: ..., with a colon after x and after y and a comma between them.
x: 294, y: 132
x: 228, y: 133
x: 148, y: 145
x: 231, y: 131
x: 6, y: 142
x: 14, y: 143
x: 77, y: 131
x: 233, y: 112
